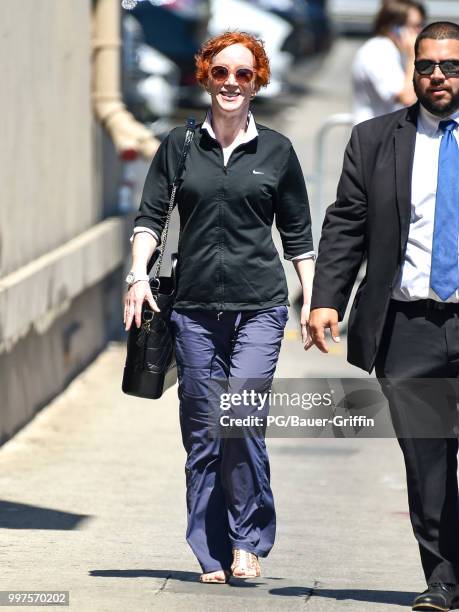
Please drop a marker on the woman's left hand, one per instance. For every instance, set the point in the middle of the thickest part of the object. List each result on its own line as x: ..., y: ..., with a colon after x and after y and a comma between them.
x: 305, y: 270
x: 304, y: 322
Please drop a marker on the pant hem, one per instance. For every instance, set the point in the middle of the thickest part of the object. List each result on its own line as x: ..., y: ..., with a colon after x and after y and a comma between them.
x: 214, y: 569
x: 251, y: 549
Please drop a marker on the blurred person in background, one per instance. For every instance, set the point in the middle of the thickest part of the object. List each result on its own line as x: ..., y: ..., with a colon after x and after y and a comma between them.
x: 382, y: 71
x: 231, y: 299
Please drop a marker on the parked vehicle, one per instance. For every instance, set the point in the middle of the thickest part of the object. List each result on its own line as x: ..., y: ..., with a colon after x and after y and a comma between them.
x: 356, y: 16
x: 150, y: 80
x: 272, y: 29
x: 176, y: 28
x: 311, y: 30
x: 320, y: 24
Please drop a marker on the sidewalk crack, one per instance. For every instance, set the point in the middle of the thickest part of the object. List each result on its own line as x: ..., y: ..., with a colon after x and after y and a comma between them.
x: 164, y: 584
x: 312, y: 590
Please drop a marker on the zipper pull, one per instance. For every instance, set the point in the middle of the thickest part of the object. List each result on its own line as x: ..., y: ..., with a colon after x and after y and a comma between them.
x: 219, y: 314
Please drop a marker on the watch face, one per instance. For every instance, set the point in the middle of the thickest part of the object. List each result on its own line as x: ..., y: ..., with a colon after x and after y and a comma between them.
x: 130, y: 277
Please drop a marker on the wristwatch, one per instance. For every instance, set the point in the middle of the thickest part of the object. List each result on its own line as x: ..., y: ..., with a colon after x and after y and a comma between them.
x: 132, y: 278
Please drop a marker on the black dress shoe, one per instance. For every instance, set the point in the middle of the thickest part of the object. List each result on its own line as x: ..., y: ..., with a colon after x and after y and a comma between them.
x: 439, y: 596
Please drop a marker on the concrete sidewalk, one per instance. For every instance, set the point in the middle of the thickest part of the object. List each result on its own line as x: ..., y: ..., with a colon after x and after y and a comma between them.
x: 93, y: 502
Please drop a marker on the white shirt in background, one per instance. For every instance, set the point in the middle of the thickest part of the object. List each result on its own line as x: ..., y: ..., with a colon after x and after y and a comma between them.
x: 378, y: 75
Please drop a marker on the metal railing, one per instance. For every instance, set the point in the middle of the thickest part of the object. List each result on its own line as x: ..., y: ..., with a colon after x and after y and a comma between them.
x: 318, y: 177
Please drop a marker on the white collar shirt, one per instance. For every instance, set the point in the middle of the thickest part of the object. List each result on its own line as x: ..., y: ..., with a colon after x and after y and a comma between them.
x: 249, y: 134
x: 414, y: 279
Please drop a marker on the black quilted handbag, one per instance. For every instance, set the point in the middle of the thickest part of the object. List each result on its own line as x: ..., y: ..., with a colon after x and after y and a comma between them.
x: 150, y: 366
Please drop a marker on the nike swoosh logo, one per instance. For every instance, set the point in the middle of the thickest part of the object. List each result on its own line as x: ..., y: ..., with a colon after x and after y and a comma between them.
x: 256, y: 172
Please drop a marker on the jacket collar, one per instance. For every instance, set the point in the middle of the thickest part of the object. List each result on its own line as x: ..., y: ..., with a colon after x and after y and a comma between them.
x: 250, y: 133
x: 409, y: 116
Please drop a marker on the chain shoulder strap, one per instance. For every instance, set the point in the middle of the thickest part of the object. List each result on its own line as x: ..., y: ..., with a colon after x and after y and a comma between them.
x: 190, y: 127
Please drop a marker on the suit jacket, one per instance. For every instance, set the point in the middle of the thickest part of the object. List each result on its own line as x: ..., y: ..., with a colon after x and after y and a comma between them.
x: 370, y: 219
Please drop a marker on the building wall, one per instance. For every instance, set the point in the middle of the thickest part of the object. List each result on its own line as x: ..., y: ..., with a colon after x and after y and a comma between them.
x: 40, y: 365
x: 46, y: 154
x: 60, y: 259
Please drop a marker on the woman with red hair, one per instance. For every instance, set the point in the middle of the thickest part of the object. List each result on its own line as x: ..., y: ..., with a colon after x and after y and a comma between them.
x: 231, y: 298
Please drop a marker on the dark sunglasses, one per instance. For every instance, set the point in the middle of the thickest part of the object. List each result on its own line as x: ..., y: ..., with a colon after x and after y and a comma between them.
x: 243, y: 75
x: 449, y: 67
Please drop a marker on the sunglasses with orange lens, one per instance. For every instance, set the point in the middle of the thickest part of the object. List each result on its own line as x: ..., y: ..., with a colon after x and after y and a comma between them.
x: 220, y: 73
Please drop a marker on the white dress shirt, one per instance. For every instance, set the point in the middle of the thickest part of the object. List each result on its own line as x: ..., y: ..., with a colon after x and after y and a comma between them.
x: 249, y: 134
x: 378, y: 75
x: 414, y: 278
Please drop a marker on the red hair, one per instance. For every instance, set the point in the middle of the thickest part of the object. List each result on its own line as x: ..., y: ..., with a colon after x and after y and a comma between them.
x: 214, y: 45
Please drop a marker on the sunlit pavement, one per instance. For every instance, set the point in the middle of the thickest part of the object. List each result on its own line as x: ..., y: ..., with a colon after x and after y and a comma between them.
x: 93, y: 497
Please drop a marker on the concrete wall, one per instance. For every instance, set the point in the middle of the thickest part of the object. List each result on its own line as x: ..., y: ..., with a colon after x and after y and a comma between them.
x: 40, y: 365
x: 56, y: 249
x: 46, y: 153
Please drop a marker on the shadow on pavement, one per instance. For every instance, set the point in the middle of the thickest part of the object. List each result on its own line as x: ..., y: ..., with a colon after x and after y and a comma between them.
x: 190, y: 577
x: 146, y: 573
x: 14, y: 515
x: 166, y: 574
x: 399, y: 598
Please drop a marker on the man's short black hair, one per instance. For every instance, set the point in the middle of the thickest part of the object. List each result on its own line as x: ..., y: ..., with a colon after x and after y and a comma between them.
x: 439, y: 30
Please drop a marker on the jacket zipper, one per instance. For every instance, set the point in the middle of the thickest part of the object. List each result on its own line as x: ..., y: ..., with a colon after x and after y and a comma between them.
x: 220, y: 236
x: 220, y: 218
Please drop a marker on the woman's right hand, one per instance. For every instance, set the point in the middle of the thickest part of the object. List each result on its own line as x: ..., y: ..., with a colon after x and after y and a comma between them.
x: 137, y: 294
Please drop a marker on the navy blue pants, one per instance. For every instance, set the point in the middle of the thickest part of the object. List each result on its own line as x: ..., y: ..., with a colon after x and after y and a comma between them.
x: 229, y: 499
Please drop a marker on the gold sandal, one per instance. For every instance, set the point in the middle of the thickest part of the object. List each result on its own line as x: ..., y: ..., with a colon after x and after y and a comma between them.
x: 217, y: 577
x: 245, y: 564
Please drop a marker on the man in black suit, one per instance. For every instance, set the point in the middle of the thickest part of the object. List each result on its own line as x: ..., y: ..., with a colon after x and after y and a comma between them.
x: 398, y: 207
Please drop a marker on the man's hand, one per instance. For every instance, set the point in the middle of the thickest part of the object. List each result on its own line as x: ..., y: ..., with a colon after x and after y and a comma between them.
x: 135, y: 297
x: 319, y: 320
